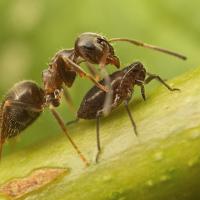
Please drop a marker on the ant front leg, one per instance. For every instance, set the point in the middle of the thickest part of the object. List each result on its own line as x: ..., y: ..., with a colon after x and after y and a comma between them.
x: 109, y: 94
x: 82, y: 73
x: 93, y: 71
x: 158, y: 78
x: 142, y: 90
x: 91, y: 68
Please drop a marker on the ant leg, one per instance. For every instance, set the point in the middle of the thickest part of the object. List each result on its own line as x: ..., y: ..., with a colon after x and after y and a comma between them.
x: 109, y: 94
x: 158, y: 78
x: 93, y: 71
x: 130, y: 117
x: 149, y: 46
x: 62, y: 125
x: 72, y: 122
x: 91, y: 68
x: 98, y: 140
x: 142, y: 89
x: 82, y: 73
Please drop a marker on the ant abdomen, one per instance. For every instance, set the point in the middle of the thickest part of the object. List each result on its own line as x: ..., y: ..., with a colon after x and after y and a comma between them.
x: 21, y: 106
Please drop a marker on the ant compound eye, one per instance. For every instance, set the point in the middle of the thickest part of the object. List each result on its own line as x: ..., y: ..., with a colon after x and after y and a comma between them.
x: 89, y: 47
x: 100, y: 40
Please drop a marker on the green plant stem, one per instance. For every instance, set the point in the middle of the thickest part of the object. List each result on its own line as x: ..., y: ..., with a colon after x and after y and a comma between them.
x: 163, y: 162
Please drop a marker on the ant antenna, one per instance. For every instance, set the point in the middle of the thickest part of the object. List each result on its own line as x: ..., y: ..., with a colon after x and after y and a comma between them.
x: 149, y: 46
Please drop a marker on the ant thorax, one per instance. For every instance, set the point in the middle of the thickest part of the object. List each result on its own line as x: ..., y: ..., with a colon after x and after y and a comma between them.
x: 68, y: 53
x: 58, y: 73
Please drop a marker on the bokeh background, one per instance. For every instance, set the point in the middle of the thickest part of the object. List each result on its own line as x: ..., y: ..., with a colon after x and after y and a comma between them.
x: 33, y: 31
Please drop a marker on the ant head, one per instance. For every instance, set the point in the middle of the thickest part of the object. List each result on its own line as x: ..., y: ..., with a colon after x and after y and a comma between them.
x: 95, y: 49
x: 137, y: 71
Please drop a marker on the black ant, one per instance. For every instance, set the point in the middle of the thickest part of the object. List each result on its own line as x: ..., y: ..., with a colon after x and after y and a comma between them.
x: 21, y: 106
x: 91, y: 48
x: 122, y: 83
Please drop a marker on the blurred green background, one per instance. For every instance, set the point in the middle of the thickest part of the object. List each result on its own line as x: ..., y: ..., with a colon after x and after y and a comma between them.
x: 32, y: 31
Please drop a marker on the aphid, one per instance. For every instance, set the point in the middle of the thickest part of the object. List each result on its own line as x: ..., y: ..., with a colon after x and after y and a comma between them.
x: 22, y: 105
x: 91, y: 48
x: 122, y: 82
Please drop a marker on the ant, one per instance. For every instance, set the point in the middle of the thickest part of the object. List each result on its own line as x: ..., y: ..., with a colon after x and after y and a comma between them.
x: 122, y: 82
x: 21, y: 106
x: 91, y: 48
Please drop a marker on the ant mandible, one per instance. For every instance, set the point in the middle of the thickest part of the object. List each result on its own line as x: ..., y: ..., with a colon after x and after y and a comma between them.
x: 91, y: 48
x: 122, y: 83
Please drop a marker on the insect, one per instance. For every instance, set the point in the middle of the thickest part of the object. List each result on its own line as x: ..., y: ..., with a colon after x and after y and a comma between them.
x: 91, y: 48
x: 22, y: 105
x: 122, y: 82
